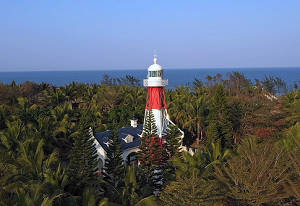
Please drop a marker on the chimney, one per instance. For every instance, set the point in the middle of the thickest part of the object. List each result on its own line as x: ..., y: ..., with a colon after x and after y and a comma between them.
x: 133, y: 122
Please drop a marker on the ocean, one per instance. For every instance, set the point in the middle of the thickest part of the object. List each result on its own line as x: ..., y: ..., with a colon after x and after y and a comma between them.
x: 176, y: 77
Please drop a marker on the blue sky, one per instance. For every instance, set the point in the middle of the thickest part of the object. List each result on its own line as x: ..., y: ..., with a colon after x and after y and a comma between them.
x: 115, y: 34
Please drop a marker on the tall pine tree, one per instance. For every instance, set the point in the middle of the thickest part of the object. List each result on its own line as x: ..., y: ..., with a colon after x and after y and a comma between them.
x: 173, y: 141
x: 220, y: 125
x: 82, y: 171
x: 114, y: 168
x: 144, y: 154
x: 151, y: 155
x: 157, y: 164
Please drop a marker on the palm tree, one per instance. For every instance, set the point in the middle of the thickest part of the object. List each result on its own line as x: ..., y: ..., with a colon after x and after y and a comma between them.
x: 135, y: 97
x: 25, y: 173
x: 87, y: 96
x: 70, y: 91
x: 197, y: 112
x: 177, y: 105
x: 215, y: 155
x: 64, y: 130
x: 293, y: 105
x: 10, y: 136
x: 130, y: 191
x: 111, y: 97
x: 193, y: 184
x: 45, y: 130
x: 56, y: 181
x: 107, y: 97
x: 52, y: 97
x: 2, y: 117
x: 23, y: 198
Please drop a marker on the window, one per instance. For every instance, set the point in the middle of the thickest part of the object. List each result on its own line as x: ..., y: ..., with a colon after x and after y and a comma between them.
x: 155, y: 74
x: 151, y: 73
x: 128, y: 138
x: 132, y: 159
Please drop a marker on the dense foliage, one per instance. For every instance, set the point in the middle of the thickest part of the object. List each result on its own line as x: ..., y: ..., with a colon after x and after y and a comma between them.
x: 150, y: 155
x: 243, y: 141
x: 83, y: 165
x: 114, y: 168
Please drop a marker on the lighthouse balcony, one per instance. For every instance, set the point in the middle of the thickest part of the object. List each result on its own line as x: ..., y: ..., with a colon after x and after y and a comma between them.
x: 156, y: 82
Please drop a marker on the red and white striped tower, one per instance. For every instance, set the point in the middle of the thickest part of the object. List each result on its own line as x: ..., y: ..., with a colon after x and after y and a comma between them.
x: 156, y: 100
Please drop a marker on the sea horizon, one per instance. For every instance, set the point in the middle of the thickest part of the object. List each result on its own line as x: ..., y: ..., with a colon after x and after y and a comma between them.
x: 214, y: 68
x: 176, y: 77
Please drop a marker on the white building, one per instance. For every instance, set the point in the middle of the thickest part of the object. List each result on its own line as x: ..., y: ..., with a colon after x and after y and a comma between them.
x: 130, y: 139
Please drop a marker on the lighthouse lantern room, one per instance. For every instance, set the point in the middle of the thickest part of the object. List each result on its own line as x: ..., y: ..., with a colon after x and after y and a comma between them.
x: 156, y: 100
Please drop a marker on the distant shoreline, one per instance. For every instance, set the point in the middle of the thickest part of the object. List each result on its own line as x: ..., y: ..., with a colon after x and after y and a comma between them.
x: 225, y: 68
x: 176, y: 77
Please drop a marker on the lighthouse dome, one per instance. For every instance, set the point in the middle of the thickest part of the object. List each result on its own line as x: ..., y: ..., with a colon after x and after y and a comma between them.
x: 155, y: 66
x: 155, y: 76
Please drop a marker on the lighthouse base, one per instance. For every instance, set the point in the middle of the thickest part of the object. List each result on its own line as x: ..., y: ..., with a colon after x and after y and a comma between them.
x: 162, y: 120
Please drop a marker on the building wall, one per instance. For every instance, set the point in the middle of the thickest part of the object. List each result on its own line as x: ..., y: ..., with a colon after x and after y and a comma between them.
x: 127, y: 152
x: 100, y: 151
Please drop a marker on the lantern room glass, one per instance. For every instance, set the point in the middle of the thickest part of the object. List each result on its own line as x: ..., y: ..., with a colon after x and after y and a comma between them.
x: 155, y: 73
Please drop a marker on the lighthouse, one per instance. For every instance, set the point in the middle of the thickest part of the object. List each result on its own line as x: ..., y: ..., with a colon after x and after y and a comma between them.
x: 156, y: 100
x: 131, y: 137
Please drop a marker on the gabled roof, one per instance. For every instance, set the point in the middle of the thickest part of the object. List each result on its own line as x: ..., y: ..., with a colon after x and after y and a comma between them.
x: 103, y: 137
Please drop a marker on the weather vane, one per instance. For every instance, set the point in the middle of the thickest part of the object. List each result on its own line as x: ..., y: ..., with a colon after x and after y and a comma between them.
x: 155, y: 57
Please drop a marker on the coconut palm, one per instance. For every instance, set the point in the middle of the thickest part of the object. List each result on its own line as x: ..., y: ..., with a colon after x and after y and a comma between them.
x: 87, y: 96
x: 70, y: 91
x: 24, y: 198
x: 2, y: 117
x: 10, y: 136
x: 177, y: 105
x: 197, y: 112
x: 107, y: 97
x: 190, y: 165
x: 64, y: 119
x: 111, y: 97
x: 135, y: 97
x: 193, y: 184
x: 25, y: 173
x: 293, y: 107
x: 130, y: 191
x: 215, y: 155
x: 52, y: 97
